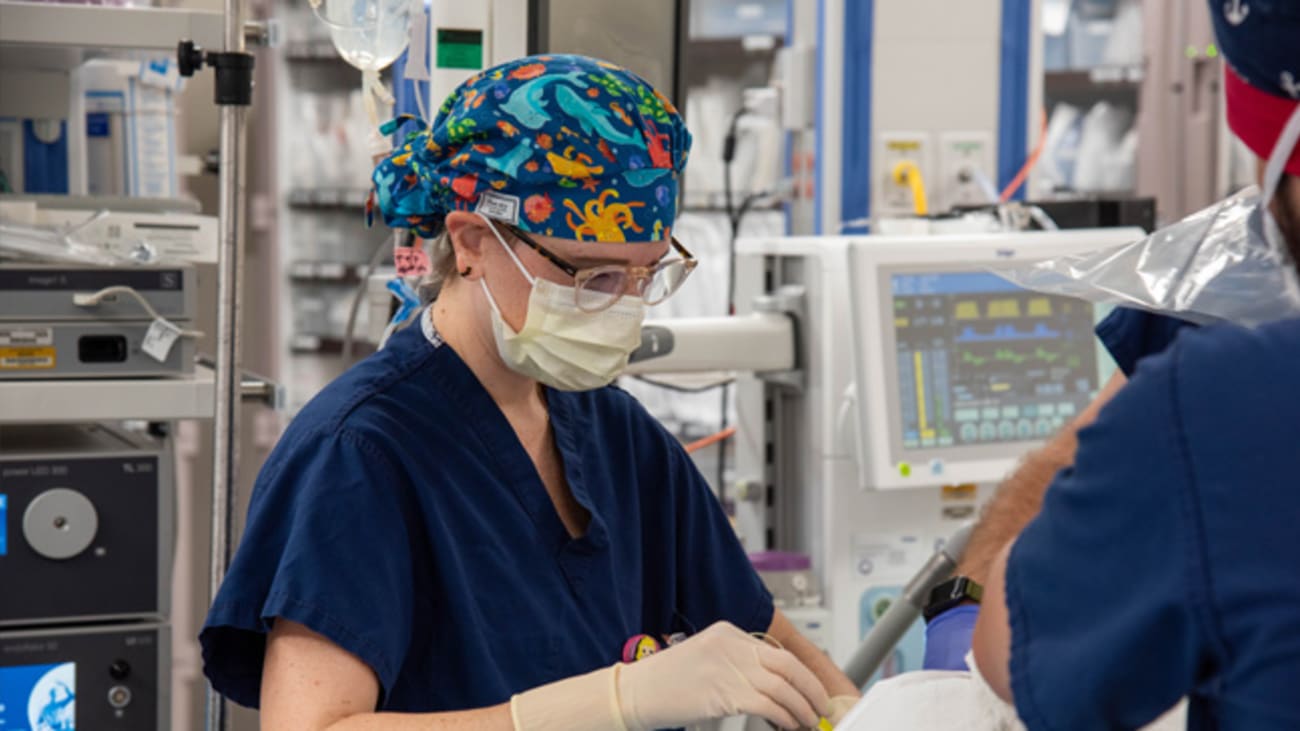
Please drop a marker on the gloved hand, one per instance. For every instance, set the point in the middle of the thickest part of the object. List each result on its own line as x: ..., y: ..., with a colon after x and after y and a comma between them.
x: 718, y: 673
x: 840, y: 707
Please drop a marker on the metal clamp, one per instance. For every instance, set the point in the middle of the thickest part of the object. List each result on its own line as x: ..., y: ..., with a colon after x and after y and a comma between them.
x: 262, y: 33
x: 233, y: 69
x: 253, y: 388
x: 789, y: 300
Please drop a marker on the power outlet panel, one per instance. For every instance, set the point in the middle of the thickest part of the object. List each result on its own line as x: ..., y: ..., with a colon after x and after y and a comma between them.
x: 963, y: 158
x: 894, y: 199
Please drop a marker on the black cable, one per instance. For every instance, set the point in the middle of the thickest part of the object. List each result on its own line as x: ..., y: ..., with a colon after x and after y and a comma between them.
x: 728, y: 155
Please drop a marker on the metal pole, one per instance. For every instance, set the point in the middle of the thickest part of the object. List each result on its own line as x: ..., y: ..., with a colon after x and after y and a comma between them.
x: 230, y: 265
x: 906, y: 609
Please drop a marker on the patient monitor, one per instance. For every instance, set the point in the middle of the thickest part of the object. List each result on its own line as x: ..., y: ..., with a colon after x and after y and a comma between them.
x: 960, y: 370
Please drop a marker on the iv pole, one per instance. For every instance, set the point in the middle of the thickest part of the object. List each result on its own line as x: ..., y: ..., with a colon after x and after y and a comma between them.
x: 233, y: 68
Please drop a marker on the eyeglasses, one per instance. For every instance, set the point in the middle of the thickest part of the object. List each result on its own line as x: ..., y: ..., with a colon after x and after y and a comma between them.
x: 598, y: 288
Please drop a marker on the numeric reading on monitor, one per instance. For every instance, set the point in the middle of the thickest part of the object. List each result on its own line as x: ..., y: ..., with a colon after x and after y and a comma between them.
x: 981, y: 361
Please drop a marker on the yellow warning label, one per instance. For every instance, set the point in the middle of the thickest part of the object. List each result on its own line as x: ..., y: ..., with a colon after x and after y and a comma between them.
x: 22, y: 359
x: 964, y: 491
x: 903, y: 145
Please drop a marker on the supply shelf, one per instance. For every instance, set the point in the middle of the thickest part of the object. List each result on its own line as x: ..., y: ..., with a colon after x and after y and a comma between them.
x: 95, y: 399
x: 190, y: 396
x: 102, y: 28
x: 41, y: 43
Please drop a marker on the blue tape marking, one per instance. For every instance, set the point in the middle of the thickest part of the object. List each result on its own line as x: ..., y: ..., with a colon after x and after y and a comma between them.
x: 855, y: 170
x: 1013, y: 106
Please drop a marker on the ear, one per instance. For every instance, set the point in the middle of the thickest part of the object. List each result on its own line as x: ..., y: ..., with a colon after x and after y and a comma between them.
x: 469, y: 235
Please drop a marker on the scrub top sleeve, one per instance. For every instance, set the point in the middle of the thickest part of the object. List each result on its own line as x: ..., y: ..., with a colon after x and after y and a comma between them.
x: 326, y: 546
x: 1105, y: 610
x: 1131, y: 335
x: 715, y: 580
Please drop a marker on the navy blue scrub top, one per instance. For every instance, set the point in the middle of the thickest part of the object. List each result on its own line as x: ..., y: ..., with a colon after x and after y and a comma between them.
x: 1131, y: 335
x: 400, y: 517
x: 1165, y: 561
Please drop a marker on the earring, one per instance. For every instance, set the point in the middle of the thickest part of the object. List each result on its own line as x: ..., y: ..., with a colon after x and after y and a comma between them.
x: 467, y: 271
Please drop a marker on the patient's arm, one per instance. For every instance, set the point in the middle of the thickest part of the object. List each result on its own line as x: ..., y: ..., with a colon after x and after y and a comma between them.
x: 1021, y: 495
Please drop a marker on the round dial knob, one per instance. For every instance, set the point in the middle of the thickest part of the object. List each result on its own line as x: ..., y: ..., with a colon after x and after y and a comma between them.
x: 60, y: 523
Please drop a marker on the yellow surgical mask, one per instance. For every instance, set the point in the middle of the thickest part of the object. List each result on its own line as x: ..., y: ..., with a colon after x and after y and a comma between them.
x: 559, y: 345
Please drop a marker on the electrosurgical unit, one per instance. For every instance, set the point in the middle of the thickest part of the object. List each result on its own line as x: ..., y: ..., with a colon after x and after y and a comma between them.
x: 79, y: 321
x: 87, y: 525
x: 109, y: 677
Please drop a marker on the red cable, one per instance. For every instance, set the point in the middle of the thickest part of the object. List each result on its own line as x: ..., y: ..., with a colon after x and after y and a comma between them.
x: 710, y: 440
x: 1021, y: 176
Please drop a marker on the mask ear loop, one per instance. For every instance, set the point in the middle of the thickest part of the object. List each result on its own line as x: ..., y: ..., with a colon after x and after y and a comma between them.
x: 482, y: 281
x: 1273, y: 170
x: 1277, y: 159
x: 509, y: 250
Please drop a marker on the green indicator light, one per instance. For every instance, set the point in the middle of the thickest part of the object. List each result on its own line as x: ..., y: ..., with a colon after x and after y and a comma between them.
x: 904, y: 469
x: 1192, y: 52
x: 1212, y: 51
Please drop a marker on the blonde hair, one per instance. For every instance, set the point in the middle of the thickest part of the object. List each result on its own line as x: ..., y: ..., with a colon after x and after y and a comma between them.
x: 442, y: 266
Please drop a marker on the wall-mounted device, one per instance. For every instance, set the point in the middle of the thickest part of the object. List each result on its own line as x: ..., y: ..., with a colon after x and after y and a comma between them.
x: 86, y: 525
x: 112, y: 677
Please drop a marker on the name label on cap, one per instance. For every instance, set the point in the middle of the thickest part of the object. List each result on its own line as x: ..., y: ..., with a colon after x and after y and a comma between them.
x: 499, y: 206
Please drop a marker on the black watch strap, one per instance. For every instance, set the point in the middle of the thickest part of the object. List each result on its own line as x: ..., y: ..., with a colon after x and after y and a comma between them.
x: 954, y: 591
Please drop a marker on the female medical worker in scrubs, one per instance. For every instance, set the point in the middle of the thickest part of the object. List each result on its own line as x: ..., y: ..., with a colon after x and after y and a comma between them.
x: 471, y: 529
x: 1163, y: 563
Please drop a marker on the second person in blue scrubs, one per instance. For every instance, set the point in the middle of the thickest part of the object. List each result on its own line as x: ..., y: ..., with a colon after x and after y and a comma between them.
x: 468, y: 529
x: 1162, y: 563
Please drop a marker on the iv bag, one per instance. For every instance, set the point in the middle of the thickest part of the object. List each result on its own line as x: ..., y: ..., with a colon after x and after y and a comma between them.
x: 369, y: 34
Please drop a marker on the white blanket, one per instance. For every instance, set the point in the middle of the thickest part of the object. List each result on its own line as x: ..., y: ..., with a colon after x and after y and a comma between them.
x: 933, y: 700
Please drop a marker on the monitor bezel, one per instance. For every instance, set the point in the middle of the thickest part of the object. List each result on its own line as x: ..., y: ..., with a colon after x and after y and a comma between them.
x: 883, y: 462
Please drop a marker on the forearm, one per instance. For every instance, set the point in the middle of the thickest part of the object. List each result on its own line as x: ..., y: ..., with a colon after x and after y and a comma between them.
x: 1020, y: 496
x: 991, y: 642
x: 1015, y: 503
x: 832, y: 678
x: 494, y: 718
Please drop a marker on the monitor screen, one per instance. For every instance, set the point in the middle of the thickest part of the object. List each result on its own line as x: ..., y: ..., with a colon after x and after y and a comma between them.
x: 981, y: 361
x: 39, y: 697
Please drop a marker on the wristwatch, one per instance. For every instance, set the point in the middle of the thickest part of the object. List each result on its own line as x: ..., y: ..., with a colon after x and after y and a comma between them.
x: 954, y: 591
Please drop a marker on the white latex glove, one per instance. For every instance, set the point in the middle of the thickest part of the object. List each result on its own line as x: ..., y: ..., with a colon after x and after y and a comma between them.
x: 840, y: 707
x: 718, y: 673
